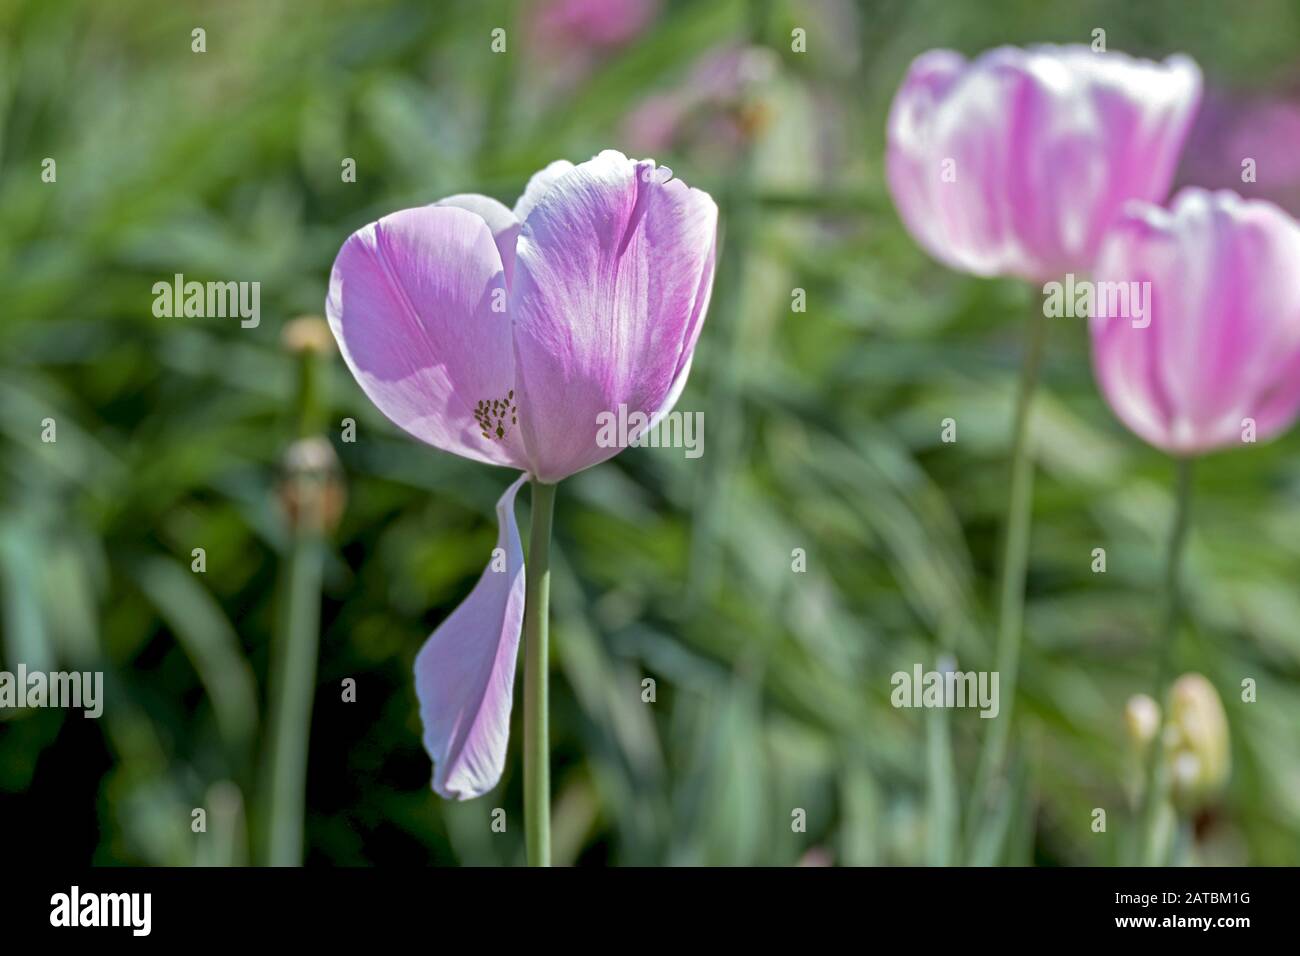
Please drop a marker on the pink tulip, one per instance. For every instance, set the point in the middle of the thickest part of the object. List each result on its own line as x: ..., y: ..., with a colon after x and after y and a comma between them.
x: 1219, y: 363
x: 1016, y: 162
x: 502, y: 335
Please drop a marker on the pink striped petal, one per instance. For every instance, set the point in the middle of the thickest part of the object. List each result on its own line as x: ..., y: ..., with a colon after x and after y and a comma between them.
x: 612, y: 273
x: 465, y: 673
x: 418, y: 303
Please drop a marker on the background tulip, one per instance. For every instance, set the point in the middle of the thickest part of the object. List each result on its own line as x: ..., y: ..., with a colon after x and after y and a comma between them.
x: 1016, y: 162
x: 1219, y: 363
x: 503, y: 335
x: 1215, y: 361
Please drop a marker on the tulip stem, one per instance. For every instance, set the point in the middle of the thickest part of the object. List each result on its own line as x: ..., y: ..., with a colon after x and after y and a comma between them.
x: 1015, y: 560
x: 537, y: 601
x: 1149, y: 841
x: 292, y: 679
x: 292, y: 687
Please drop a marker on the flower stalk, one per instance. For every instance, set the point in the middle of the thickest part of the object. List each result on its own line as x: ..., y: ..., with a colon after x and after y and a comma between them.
x: 311, y: 497
x: 537, y: 766
x: 291, y: 696
x: 1149, y: 843
x: 1015, y: 563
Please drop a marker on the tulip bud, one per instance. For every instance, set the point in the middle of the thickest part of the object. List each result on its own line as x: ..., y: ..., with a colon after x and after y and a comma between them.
x: 307, y: 335
x: 308, y: 338
x: 311, y: 490
x: 1196, y: 742
x: 1142, y: 717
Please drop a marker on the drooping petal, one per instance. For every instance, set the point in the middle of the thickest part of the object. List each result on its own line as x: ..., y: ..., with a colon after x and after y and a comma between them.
x: 465, y: 673
x: 612, y: 274
x: 419, y: 305
x: 499, y: 219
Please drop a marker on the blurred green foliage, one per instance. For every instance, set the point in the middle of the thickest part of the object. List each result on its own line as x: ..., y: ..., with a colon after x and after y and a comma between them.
x: 822, y: 433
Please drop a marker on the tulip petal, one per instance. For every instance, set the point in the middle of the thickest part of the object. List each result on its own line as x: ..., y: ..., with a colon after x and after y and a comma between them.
x: 465, y: 673
x: 693, y: 329
x: 418, y: 303
x: 1125, y: 357
x: 612, y: 274
x: 499, y: 219
x: 539, y: 184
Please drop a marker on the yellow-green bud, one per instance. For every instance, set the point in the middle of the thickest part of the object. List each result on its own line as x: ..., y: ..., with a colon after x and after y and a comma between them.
x: 1142, y: 717
x: 307, y: 334
x: 1196, y: 742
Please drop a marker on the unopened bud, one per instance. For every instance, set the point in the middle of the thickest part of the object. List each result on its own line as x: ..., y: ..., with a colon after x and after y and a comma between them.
x: 1142, y: 718
x: 1186, y: 770
x: 307, y: 334
x: 312, y: 492
x: 1197, y: 741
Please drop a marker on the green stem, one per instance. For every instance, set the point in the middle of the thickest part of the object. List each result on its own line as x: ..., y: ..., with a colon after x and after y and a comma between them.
x: 1015, y: 560
x: 943, y: 804
x: 293, y: 663
x: 291, y: 700
x: 1148, y: 845
x: 537, y: 600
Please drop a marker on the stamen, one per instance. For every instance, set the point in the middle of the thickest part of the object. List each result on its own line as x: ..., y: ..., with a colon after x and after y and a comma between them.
x: 490, y: 413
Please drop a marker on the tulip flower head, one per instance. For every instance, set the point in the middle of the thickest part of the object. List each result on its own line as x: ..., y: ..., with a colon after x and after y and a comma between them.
x: 1015, y: 163
x: 1219, y: 362
x: 502, y: 335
